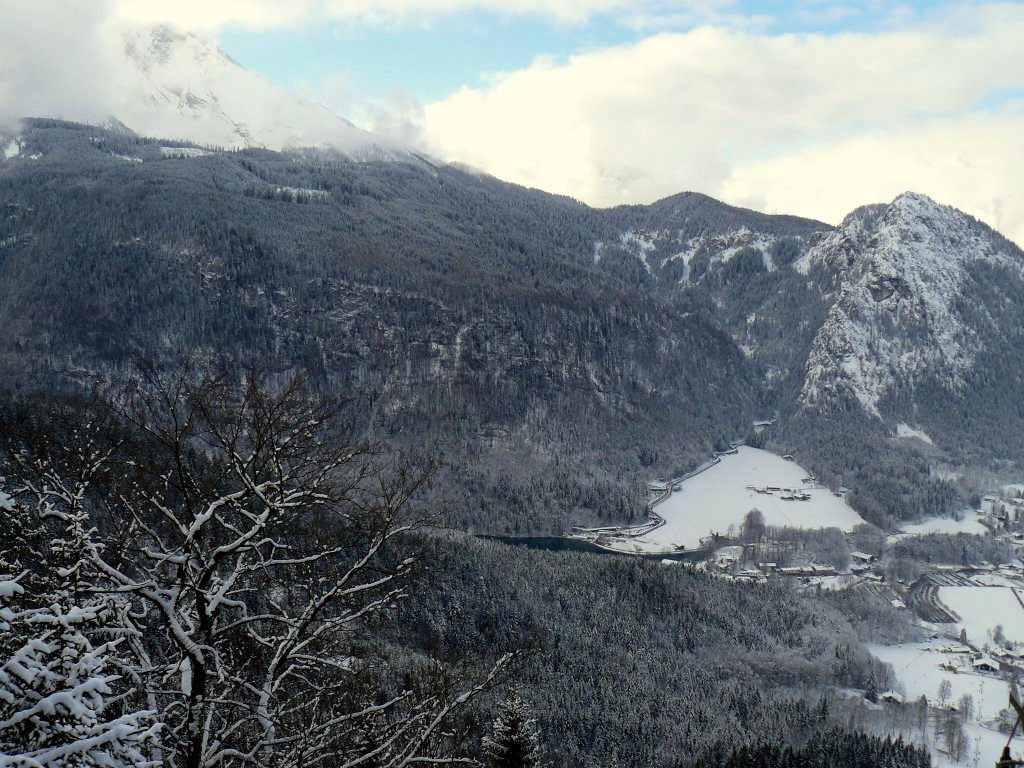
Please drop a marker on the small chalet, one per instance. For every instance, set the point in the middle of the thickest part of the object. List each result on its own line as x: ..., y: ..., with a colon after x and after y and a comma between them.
x: 891, y: 697
x: 986, y: 664
x: 863, y: 557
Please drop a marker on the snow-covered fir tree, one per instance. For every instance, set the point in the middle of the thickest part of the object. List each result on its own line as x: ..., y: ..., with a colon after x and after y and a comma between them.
x: 59, y: 703
x: 514, y: 741
x: 871, y: 690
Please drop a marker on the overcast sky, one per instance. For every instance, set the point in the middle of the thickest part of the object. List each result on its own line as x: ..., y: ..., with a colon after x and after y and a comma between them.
x: 809, y: 107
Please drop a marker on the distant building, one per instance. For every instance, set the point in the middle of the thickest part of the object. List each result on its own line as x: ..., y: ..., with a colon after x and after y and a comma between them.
x: 891, y: 697
x: 986, y: 664
x: 863, y: 557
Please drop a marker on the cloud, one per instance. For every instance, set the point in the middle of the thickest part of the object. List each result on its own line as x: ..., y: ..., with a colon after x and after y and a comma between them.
x: 211, y: 15
x: 975, y: 163
x: 814, y: 124
x: 52, y: 60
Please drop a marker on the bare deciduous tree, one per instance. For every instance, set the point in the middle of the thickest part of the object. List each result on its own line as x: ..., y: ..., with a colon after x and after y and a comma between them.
x: 248, y: 540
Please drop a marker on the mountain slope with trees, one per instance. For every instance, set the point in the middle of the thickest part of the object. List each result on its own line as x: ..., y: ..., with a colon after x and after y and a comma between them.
x: 556, y: 357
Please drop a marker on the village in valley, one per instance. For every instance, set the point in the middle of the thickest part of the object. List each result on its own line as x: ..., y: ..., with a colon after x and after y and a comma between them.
x: 749, y: 516
x: 970, y: 615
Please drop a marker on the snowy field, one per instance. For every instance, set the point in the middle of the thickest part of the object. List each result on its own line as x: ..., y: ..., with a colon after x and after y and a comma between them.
x: 718, y: 499
x: 982, y: 608
x: 968, y: 523
x: 917, y: 669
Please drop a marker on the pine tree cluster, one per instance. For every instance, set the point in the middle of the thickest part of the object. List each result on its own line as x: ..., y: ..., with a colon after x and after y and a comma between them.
x: 832, y: 749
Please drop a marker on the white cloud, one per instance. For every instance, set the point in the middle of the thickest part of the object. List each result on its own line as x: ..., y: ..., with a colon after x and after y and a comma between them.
x: 51, y: 60
x: 211, y: 15
x: 811, y: 124
x: 974, y: 163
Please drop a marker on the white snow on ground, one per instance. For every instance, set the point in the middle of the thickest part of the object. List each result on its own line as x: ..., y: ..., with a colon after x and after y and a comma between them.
x: 968, y: 523
x: 12, y: 149
x: 905, y: 430
x: 640, y: 244
x: 917, y: 668
x: 182, y: 152
x: 984, y: 745
x: 718, y: 499
x: 981, y: 608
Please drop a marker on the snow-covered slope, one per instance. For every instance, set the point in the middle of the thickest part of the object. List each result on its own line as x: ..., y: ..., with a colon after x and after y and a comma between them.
x: 899, y: 313
x: 182, y: 86
x: 719, y: 248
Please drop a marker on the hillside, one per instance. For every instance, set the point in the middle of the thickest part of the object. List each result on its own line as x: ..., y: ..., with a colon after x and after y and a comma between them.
x: 554, y: 355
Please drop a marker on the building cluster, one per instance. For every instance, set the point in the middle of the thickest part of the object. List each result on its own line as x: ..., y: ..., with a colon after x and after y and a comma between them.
x: 786, y: 494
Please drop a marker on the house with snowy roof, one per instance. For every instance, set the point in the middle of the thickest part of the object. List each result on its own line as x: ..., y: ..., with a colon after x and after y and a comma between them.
x: 985, y: 664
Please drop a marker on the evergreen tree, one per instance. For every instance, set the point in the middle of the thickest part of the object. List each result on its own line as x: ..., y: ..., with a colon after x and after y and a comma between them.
x: 514, y: 741
x: 871, y: 690
x: 58, y: 704
x: 56, y: 689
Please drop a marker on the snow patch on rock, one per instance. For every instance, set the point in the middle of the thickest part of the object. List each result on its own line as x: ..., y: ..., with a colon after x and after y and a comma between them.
x: 907, y: 431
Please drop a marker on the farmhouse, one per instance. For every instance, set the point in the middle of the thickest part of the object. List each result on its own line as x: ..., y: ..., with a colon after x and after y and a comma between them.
x: 891, y: 697
x: 986, y: 664
x: 863, y: 557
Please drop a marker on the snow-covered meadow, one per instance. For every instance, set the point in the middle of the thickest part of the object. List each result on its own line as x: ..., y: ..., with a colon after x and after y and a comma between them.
x: 917, y: 668
x: 969, y: 522
x: 918, y: 674
x: 981, y: 609
x: 717, y: 499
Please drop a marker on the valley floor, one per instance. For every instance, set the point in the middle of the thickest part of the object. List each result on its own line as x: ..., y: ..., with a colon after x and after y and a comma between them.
x: 717, y: 499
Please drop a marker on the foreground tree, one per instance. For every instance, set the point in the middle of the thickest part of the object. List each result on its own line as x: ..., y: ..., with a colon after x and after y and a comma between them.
x: 246, y: 534
x: 514, y: 741
x: 58, y: 704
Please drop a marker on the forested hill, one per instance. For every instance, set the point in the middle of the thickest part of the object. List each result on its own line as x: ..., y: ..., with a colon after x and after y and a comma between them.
x: 470, y: 313
x: 554, y: 355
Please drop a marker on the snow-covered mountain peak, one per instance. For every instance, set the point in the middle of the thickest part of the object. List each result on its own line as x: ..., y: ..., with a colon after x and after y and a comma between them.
x: 182, y: 86
x: 154, y: 47
x: 897, y: 316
